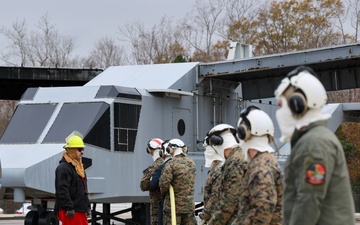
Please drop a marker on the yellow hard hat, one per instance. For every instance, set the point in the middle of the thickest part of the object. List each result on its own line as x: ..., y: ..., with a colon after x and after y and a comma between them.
x: 74, y: 141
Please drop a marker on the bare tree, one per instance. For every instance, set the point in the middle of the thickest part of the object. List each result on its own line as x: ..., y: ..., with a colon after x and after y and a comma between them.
x: 162, y: 43
x: 105, y: 54
x: 17, y: 49
x: 200, y: 26
x: 239, y: 20
x: 43, y: 47
x: 354, y: 8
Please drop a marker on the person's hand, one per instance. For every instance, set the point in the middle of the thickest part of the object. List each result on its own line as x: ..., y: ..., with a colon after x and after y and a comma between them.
x: 70, y: 213
x: 88, y: 213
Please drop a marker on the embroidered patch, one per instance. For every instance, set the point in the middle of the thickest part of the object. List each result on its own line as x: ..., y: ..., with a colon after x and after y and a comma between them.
x: 315, y: 174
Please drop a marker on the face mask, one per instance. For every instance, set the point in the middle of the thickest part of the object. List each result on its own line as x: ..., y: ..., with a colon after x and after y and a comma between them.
x: 285, y: 120
x: 260, y: 144
x: 156, y: 154
x: 178, y: 151
x: 229, y: 141
x: 211, y: 156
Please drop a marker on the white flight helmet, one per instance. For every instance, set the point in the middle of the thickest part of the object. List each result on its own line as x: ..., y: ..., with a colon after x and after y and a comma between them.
x: 221, y: 137
x: 254, y: 121
x: 214, y: 135
x: 154, y: 144
x: 306, y: 91
x: 175, y: 145
x: 210, y: 154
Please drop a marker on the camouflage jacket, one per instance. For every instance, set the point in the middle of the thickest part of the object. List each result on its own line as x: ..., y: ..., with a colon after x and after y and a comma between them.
x: 211, y: 190
x: 180, y: 172
x: 233, y: 171
x: 155, y: 196
x: 261, y: 200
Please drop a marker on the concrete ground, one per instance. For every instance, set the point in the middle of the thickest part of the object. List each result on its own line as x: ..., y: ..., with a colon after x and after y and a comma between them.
x: 16, y: 219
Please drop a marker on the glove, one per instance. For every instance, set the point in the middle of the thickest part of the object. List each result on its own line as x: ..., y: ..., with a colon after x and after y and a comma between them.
x: 70, y: 213
x: 88, y: 213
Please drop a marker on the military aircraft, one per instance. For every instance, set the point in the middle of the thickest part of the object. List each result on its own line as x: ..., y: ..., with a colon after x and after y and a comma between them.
x: 123, y: 107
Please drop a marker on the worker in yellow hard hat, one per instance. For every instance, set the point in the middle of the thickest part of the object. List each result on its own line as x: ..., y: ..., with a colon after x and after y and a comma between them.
x: 71, y: 196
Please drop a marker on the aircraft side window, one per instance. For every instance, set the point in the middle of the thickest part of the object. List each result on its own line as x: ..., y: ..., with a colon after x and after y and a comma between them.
x: 126, y: 121
x: 181, y: 127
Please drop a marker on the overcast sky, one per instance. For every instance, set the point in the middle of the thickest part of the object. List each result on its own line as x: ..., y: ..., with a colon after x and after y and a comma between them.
x: 89, y: 20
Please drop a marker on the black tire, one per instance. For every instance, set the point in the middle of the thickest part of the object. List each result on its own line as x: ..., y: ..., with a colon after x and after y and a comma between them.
x: 48, y: 218
x: 31, y: 218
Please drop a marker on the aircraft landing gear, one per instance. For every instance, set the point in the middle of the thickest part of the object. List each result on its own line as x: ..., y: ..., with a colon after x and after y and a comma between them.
x: 31, y: 217
x: 40, y: 214
x: 45, y: 218
x: 48, y: 218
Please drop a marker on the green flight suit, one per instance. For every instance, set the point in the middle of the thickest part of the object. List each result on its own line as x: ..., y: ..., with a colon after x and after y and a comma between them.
x: 317, y: 186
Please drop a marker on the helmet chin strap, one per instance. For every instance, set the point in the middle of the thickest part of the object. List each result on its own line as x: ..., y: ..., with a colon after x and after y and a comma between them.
x: 272, y: 140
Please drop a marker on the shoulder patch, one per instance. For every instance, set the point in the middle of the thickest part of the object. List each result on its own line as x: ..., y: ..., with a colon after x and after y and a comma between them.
x: 315, y: 174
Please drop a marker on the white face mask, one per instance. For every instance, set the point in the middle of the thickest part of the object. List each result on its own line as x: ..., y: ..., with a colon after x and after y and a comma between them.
x: 211, y: 156
x: 285, y: 120
x: 260, y: 144
x: 229, y: 141
x: 156, y: 154
x: 178, y: 151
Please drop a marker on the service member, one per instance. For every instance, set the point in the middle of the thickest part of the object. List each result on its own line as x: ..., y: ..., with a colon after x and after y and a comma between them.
x: 317, y: 186
x: 261, y: 198
x: 155, y: 179
x: 153, y: 148
x: 179, y: 172
x: 223, y: 139
x: 213, y: 181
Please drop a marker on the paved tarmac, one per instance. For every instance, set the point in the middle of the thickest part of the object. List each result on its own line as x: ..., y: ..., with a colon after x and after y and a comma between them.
x: 18, y: 219
x: 15, y: 219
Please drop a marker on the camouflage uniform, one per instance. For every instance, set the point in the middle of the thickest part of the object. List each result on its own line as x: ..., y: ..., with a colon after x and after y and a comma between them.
x: 261, y: 200
x: 155, y: 196
x: 233, y: 171
x: 211, y: 190
x: 317, y: 185
x: 180, y: 173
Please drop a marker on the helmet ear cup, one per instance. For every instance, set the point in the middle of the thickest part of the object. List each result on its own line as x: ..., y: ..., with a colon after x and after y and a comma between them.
x: 147, y: 150
x: 243, y: 132
x: 161, y: 153
x: 169, y: 150
x: 215, y: 139
x: 297, y: 103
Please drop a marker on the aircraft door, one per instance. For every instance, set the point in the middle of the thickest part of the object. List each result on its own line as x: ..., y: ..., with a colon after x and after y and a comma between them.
x: 181, y: 126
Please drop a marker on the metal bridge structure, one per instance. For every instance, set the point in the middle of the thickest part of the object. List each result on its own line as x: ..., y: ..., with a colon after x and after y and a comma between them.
x: 121, y: 108
x: 15, y: 81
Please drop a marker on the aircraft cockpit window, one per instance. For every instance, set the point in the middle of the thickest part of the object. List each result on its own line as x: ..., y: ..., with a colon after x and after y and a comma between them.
x: 126, y: 120
x: 27, y: 123
x: 92, y: 119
